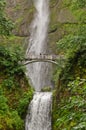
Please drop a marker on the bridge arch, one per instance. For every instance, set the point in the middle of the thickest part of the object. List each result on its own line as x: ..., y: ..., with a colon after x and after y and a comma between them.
x: 49, y: 61
x: 41, y: 60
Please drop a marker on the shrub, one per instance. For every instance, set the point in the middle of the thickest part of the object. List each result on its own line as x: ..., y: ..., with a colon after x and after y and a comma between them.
x: 71, y: 110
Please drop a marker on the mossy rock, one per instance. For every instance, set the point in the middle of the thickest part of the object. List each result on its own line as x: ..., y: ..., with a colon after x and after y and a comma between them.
x: 46, y: 89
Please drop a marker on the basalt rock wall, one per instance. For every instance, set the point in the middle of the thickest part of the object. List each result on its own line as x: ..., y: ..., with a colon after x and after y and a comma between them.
x: 22, y: 12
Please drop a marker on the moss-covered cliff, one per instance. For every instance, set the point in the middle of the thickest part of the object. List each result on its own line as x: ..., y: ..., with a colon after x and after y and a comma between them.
x: 60, y: 16
x: 21, y: 12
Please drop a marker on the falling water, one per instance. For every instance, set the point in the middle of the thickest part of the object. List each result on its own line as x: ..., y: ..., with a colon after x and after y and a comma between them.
x: 39, y: 73
x: 39, y: 112
x: 39, y: 117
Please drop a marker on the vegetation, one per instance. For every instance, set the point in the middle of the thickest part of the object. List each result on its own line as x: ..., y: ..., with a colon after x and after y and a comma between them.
x: 15, y: 92
x: 70, y: 112
x: 46, y: 89
x: 69, y: 106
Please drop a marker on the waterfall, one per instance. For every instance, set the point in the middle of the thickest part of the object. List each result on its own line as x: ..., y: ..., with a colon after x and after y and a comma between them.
x: 39, y: 117
x: 39, y: 111
x: 39, y: 73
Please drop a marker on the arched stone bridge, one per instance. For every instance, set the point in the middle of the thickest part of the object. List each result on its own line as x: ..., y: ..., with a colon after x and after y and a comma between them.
x: 42, y: 58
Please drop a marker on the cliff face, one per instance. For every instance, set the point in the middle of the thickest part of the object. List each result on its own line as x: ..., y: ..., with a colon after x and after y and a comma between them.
x: 59, y: 17
x: 21, y: 12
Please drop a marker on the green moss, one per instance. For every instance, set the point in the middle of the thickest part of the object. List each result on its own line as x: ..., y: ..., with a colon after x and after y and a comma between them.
x: 17, y: 7
x: 12, y: 40
x: 53, y: 28
x: 52, y: 2
x: 46, y: 89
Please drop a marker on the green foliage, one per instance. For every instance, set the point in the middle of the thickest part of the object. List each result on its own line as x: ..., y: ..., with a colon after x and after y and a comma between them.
x: 69, y: 106
x: 75, y: 4
x: 71, y: 43
x: 23, y: 102
x: 9, y: 64
x: 2, y: 4
x: 3, y: 104
x: 12, y: 118
x: 9, y: 119
x: 78, y: 8
x: 15, y: 93
x: 71, y: 111
x: 74, y: 48
x: 6, y: 25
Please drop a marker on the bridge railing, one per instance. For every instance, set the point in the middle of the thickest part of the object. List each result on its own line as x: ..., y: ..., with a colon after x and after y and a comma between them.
x: 43, y: 57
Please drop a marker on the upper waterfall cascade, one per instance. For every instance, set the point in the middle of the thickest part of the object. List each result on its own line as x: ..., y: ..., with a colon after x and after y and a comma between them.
x: 39, y: 73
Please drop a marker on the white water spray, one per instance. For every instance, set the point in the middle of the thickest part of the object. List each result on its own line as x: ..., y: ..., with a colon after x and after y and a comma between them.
x: 39, y: 73
x: 39, y: 117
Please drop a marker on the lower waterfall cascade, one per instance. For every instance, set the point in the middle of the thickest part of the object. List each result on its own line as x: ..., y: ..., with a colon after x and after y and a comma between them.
x: 39, y: 111
x: 39, y: 116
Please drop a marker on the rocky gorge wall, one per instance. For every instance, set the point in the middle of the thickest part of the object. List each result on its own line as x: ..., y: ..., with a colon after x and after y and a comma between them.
x: 21, y: 12
x: 59, y: 17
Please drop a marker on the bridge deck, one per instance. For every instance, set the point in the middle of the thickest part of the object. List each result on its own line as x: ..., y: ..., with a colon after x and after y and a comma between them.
x: 43, y: 57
